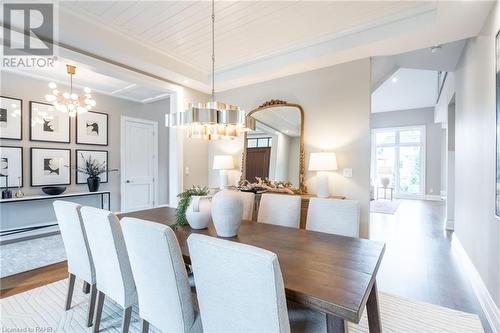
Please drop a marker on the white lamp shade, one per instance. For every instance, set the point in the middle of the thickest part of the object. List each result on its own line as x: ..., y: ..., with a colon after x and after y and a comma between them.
x: 223, y: 162
x: 323, y: 162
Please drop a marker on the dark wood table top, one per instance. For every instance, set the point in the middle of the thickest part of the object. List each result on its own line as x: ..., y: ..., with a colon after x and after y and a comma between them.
x: 330, y: 273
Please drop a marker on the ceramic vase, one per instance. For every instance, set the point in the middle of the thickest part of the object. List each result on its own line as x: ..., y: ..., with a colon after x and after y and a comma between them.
x: 385, y: 181
x: 198, y: 213
x: 227, y: 210
x: 93, y: 183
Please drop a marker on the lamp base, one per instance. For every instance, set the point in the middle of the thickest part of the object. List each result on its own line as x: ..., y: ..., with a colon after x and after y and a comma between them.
x: 223, y: 179
x: 322, y: 190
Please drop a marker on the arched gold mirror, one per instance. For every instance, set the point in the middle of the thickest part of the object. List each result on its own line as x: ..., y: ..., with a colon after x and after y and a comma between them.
x: 275, y: 149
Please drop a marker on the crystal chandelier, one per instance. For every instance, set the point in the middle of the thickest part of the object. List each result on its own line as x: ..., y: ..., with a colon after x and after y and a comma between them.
x: 212, y: 120
x: 70, y: 102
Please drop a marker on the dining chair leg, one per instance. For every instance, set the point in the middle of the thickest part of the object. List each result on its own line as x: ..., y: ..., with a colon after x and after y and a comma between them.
x: 98, y: 311
x: 127, y: 315
x: 86, y: 287
x: 93, y: 294
x: 145, y: 326
x: 71, y: 287
x: 335, y: 324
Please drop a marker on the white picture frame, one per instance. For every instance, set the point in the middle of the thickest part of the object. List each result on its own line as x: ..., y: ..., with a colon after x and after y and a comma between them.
x: 11, y: 165
x: 11, y: 118
x: 82, y: 155
x: 92, y: 128
x: 50, y: 166
x: 47, y: 124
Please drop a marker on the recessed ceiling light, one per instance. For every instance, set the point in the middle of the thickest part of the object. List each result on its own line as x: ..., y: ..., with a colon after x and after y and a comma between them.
x: 395, y: 79
x: 435, y: 48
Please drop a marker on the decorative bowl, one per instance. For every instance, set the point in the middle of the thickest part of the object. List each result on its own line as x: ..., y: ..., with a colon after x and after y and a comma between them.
x: 53, y: 190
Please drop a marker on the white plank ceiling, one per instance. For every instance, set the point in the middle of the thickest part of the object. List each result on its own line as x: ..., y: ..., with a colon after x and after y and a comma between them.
x: 245, y: 30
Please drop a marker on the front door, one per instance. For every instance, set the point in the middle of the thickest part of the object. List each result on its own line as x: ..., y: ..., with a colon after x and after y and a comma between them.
x: 139, y: 164
x: 257, y: 163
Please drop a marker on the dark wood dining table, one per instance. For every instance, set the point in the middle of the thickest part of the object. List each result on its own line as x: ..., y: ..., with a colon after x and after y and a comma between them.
x: 329, y: 273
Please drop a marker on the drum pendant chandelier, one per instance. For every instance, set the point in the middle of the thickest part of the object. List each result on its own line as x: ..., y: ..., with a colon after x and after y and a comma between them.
x: 211, y: 120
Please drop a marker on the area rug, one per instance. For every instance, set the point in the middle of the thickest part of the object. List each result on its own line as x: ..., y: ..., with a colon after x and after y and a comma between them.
x: 42, y: 308
x: 384, y: 206
x: 30, y: 254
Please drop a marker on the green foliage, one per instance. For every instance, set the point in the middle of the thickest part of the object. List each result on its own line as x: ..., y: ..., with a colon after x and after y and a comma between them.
x: 185, y: 199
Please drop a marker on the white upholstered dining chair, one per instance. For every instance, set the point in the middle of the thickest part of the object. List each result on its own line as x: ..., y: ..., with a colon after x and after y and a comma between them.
x: 333, y: 216
x: 80, y: 264
x: 280, y: 209
x: 160, y: 276
x: 248, y: 204
x: 239, y: 287
x: 112, y: 266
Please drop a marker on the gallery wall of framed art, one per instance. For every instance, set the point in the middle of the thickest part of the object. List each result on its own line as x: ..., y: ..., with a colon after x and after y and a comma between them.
x: 55, y: 146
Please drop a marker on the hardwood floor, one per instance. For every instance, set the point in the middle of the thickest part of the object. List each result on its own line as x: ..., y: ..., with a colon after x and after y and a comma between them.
x: 419, y: 261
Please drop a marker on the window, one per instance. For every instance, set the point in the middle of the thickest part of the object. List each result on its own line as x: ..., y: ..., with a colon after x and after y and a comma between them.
x: 259, y: 142
x: 398, y: 155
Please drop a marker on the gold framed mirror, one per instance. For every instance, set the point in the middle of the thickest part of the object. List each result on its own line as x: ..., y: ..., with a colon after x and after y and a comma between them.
x: 275, y: 150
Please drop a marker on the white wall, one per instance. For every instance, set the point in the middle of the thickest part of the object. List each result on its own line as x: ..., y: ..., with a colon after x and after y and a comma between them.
x: 336, y: 102
x: 475, y: 223
x: 31, y: 89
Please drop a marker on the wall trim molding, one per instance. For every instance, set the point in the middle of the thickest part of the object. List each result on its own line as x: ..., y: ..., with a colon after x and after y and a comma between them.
x: 433, y: 197
x: 490, y: 309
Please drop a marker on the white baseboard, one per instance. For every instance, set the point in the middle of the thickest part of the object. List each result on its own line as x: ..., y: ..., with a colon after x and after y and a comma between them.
x: 432, y: 197
x: 450, y: 224
x: 489, y: 307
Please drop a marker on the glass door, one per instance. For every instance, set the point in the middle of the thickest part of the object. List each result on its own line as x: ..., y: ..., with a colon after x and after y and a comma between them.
x: 398, y: 160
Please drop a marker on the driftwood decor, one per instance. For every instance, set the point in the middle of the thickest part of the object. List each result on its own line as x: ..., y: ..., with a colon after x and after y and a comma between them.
x: 268, y: 186
x: 285, y: 187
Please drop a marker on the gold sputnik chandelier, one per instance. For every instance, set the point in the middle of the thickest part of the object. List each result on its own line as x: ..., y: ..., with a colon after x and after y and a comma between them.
x: 211, y: 120
x: 70, y: 102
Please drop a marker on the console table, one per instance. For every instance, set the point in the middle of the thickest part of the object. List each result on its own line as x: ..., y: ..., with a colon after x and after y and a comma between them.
x: 30, y: 198
x: 303, y: 209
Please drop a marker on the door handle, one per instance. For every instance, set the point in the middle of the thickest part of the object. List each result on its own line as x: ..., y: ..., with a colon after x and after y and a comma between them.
x: 127, y: 181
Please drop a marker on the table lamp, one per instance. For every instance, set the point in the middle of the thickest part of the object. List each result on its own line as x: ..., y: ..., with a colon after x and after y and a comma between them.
x: 322, y: 163
x: 223, y: 163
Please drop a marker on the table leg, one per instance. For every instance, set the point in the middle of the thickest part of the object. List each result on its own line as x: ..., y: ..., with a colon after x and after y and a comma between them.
x: 373, y: 312
x: 335, y: 324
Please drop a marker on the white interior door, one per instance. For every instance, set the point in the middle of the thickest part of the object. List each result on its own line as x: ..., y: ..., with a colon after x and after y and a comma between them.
x: 139, y: 164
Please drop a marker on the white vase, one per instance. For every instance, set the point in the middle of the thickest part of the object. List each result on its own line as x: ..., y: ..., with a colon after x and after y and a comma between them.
x: 227, y: 210
x: 198, y: 213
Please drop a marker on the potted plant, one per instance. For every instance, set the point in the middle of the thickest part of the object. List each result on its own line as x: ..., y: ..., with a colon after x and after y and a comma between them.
x: 93, y: 169
x: 185, y: 200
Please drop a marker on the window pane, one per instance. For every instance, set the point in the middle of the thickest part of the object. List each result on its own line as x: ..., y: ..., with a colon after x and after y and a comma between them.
x: 270, y: 144
x: 410, y: 136
x: 385, y: 137
x: 410, y: 166
x: 262, y: 142
x: 385, y: 166
x: 252, y: 143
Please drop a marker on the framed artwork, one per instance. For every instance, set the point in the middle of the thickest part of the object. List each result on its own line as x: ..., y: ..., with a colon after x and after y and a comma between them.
x: 101, y: 156
x: 48, y: 124
x: 497, y: 128
x: 92, y: 128
x: 11, y: 165
x: 50, y: 166
x: 11, y: 118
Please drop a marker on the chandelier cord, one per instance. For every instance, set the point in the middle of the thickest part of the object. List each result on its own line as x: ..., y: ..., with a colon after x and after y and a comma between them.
x: 213, y: 50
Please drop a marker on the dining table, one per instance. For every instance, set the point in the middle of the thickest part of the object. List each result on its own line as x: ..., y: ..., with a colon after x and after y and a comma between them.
x: 329, y: 273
